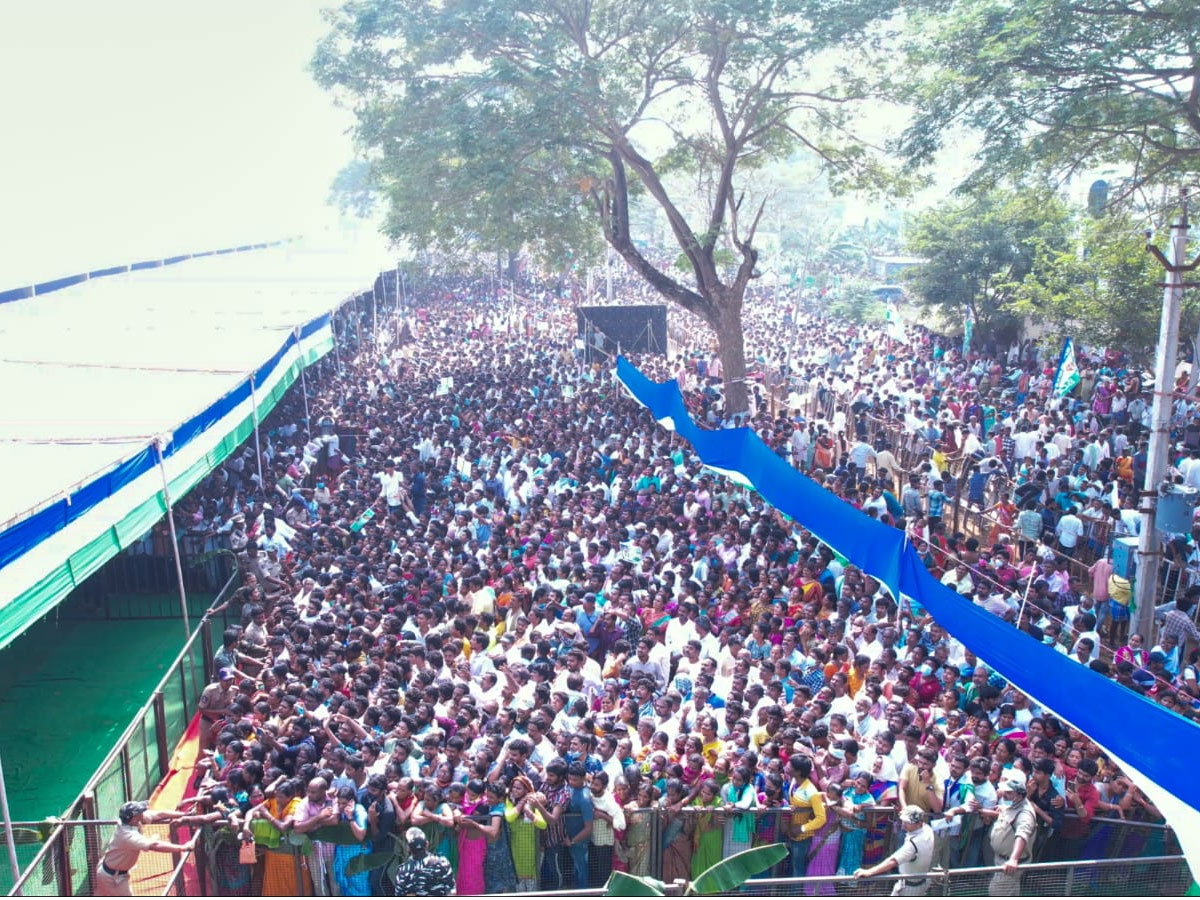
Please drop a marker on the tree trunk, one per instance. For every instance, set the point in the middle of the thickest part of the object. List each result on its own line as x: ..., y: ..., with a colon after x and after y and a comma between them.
x: 731, y: 349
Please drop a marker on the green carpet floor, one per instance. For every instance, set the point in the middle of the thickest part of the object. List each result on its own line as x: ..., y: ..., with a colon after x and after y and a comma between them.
x: 67, y: 691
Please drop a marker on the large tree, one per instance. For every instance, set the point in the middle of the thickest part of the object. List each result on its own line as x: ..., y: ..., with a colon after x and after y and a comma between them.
x: 979, y: 251
x: 1103, y: 288
x: 532, y: 122
x: 1060, y: 84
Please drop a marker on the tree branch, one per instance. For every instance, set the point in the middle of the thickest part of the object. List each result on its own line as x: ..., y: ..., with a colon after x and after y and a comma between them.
x: 698, y: 256
x: 616, y: 232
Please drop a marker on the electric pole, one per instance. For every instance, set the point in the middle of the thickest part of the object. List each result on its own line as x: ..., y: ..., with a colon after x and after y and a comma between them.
x: 1149, y: 543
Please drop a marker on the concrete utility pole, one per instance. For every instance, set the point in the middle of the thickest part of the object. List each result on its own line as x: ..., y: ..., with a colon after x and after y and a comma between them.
x: 1149, y: 543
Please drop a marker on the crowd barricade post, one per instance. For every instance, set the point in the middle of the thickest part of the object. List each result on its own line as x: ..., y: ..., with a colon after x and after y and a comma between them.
x: 72, y: 849
x: 656, y: 847
x: 1119, y: 856
x: 92, y: 852
x: 206, y: 638
x: 1154, y: 876
x: 176, y: 856
x: 160, y: 734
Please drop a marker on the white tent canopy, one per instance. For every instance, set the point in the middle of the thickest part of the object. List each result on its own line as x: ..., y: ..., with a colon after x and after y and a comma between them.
x: 96, y: 372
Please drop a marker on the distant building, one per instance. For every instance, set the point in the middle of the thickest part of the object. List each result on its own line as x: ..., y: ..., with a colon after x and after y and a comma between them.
x: 888, y: 292
x: 888, y: 268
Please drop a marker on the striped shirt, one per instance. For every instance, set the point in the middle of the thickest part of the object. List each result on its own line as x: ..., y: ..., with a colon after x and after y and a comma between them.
x: 1029, y: 524
x: 555, y: 834
x: 1180, y: 624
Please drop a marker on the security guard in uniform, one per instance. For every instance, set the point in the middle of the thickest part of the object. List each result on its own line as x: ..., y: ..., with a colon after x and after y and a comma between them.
x: 1012, y: 834
x: 423, y: 874
x: 914, y: 858
x: 127, y: 844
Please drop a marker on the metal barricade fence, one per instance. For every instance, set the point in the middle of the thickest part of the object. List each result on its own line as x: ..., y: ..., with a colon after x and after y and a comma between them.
x: 1110, y: 838
x: 660, y: 845
x: 670, y: 846
x: 293, y: 864
x: 1121, y: 856
x: 177, y: 883
x: 67, y: 861
x: 1163, y: 876
x: 138, y: 761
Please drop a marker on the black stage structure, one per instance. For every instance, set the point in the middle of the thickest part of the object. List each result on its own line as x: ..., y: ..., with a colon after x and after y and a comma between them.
x: 608, y: 330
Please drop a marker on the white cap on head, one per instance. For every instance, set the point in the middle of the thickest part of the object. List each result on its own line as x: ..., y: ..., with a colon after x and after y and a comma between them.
x: 912, y: 815
x: 1013, y: 781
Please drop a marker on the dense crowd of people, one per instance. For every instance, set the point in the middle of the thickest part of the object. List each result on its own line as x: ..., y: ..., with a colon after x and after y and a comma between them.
x: 484, y: 595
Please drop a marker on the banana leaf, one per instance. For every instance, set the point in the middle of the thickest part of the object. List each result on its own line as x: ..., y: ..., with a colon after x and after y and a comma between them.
x: 46, y: 828
x: 730, y: 874
x: 367, y: 862
x: 22, y: 835
x: 335, y: 834
x: 621, y: 884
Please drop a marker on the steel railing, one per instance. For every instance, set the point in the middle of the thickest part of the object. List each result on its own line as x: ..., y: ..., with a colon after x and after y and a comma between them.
x: 218, y: 870
x: 135, y: 765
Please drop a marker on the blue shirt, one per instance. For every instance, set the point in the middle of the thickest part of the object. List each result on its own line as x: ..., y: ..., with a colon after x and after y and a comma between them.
x: 936, y: 500
x: 585, y: 622
x: 579, y: 812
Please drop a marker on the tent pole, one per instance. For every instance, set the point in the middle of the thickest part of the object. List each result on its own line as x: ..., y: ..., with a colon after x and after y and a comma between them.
x: 304, y: 390
x: 162, y: 471
x: 183, y: 607
x: 8, y: 834
x: 262, y: 485
x: 1025, y: 599
x: 400, y: 310
x: 333, y: 328
x: 303, y: 382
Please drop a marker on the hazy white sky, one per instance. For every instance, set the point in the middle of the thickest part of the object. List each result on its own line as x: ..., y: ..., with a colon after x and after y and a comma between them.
x: 138, y: 128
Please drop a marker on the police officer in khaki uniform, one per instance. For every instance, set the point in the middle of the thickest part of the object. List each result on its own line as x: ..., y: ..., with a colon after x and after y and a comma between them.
x: 914, y: 858
x: 1012, y: 834
x: 121, y: 854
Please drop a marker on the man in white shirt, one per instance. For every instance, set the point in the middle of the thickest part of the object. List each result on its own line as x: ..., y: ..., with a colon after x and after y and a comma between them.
x: 1190, y: 469
x: 1069, y: 530
x: 645, y: 665
x: 877, y: 760
x: 959, y: 579
x: 1023, y: 444
x: 425, y: 447
x: 391, y: 487
x: 860, y: 454
x: 680, y: 629
x: 1131, y: 521
x: 543, y: 749
x: 799, y: 444
x: 659, y: 652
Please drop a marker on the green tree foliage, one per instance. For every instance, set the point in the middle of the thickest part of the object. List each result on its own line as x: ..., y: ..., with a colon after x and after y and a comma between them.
x: 856, y: 245
x: 1060, y: 83
x: 352, y: 191
x: 511, y: 123
x: 855, y: 302
x: 981, y: 249
x: 1103, y: 289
